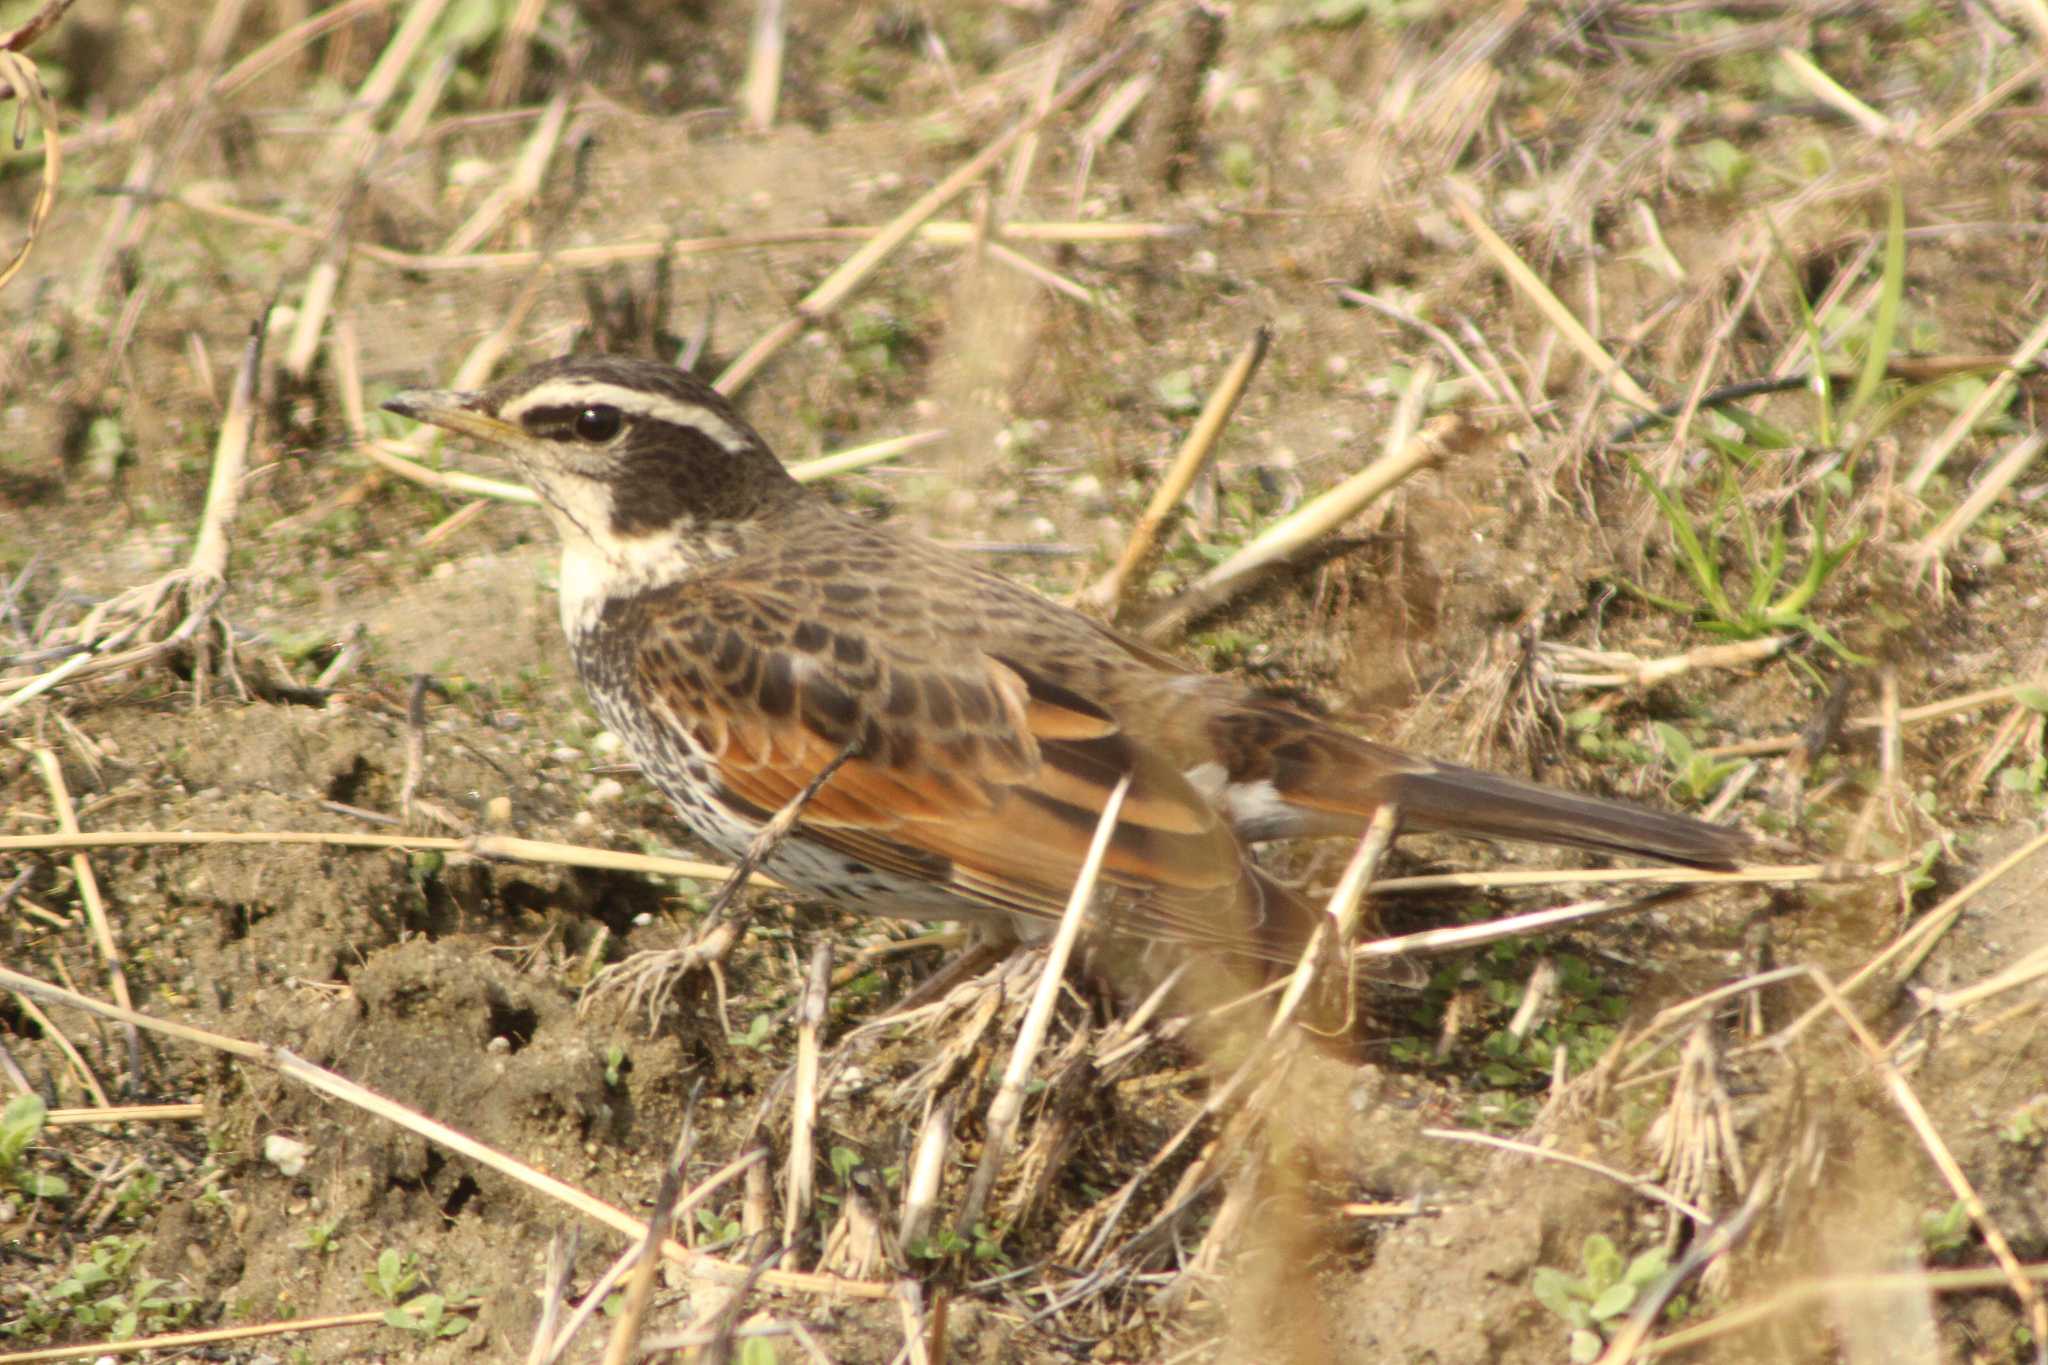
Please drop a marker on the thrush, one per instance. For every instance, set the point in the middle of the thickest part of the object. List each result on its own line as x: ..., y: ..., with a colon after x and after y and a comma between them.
x: 742, y: 635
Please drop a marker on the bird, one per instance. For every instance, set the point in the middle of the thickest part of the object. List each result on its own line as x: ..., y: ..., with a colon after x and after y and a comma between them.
x: 952, y: 736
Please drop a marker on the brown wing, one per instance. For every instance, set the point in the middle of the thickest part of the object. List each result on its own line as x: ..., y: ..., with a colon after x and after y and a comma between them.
x: 968, y: 771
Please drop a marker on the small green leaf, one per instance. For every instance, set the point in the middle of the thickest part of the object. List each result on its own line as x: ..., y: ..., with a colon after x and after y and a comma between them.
x: 1602, y: 1262
x: 1613, y: 1302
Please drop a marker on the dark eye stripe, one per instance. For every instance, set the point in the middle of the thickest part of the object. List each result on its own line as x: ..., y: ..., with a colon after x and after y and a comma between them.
x: 555, y: 422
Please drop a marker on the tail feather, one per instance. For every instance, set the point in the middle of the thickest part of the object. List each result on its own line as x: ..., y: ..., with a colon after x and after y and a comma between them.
x: 1466, y: 801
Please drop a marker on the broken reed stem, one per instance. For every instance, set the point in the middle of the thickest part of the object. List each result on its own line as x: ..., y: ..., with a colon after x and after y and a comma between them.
x: 1910, y: 715
x: 295, y: 1068
x: 927, y: 1170
x: 761, y: 87
x: 803, y: 1107
x: 1007, y: 1108
x: 1107, y: 593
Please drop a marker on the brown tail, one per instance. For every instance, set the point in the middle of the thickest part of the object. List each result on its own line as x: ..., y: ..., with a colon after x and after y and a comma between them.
x: 1458, y: 800
x: 1291, y: 775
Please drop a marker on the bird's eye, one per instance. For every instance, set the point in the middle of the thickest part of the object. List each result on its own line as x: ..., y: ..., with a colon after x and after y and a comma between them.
x: 598, y: 424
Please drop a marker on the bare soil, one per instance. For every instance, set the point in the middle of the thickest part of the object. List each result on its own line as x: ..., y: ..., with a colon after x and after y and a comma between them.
x: 1663, y: 169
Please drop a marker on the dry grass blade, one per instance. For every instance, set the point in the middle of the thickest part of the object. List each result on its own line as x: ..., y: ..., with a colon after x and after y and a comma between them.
x: 480, y: 846
x: 1803, y: 1293
x: 1005, y: 1111
x: 1538, y: 293
x: 1571, y: 666
x: 1107, y: 592
x: 19, y: 72
x: 1990, y: 488
x: 515, y: 45
x: 1944, y: 1160
x: 1905, y: 953
x: 1306, y: 526
x: 339, y: 1087
x: 1991, y: 398
x: 854, y: 270
x: 125, y: 1113
x: 1641, y: 1185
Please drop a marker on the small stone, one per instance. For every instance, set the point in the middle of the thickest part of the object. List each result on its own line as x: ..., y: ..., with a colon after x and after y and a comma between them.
x: 288, y: 1154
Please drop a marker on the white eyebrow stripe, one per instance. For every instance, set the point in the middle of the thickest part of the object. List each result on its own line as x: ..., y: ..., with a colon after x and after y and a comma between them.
x: 576, y: 393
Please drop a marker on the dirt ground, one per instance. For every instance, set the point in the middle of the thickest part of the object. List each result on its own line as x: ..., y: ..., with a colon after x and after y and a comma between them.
x: 1706, y: 190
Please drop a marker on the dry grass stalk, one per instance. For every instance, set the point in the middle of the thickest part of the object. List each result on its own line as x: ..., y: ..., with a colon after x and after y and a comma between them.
x: 19, y: 72
x: 1637, y: 1184
x: 185, y: 1342
x: 290, y: 40
x: 1495, y: 393
x: 521, y: 185
x: 1991, y: 486
x: 1553, y: 309
x: 177, y: 610
x: 1007, y: 1108
x: 295, y: 1068
x: 1338, y: 926
x: 1106, y: 594
x: 1828, y: 91
x: 1407, y: 451
x: 1904, y: 954
x: 800, y: 1183
x: 357, y: 146
x: 124, y: 1113
x: 515, y: 46
x: 1494, y: 931
x: 1909, y: 715
x: 1589, y: 668
x: 561, y: 1264
x: 95, y: 906
x: 622, y: 1346
x: 1988, y: 400
x: 1938, y: 1151
x: 551, y: 1349
x: 942, y: 232
x: 927, y: 1170
x: 71, y: 1053
x: 852, y: 272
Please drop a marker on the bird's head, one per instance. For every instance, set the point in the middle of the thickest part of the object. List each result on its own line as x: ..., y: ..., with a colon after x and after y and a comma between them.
x: 621, y: 451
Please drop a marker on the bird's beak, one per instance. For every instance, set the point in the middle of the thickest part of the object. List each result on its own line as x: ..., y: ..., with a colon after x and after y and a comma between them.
x: 455, y: 410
